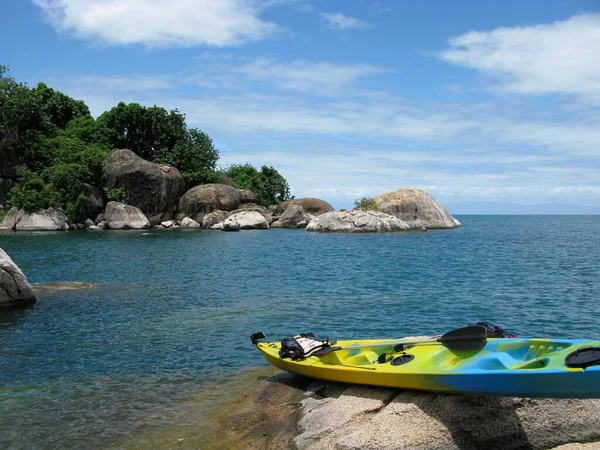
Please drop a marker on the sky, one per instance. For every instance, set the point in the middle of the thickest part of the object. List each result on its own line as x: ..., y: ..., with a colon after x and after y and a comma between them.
x: 482, y: 104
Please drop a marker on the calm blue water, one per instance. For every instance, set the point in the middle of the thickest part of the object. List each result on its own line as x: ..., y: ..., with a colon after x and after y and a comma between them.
x: 171, y: 316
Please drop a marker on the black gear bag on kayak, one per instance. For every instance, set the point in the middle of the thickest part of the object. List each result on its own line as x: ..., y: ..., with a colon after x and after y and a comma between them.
x: 301, y: 346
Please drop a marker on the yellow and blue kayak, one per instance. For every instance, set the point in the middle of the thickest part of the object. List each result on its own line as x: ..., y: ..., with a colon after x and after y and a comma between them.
x: 554, y: 368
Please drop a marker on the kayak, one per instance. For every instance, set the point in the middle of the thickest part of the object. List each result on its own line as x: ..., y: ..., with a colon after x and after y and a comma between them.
x: 515, y: 367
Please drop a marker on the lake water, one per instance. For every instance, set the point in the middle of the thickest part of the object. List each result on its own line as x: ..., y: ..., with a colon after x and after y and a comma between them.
x: 164, y: 335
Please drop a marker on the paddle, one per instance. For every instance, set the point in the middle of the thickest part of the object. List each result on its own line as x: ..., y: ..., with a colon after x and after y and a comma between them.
x: 467, y: 338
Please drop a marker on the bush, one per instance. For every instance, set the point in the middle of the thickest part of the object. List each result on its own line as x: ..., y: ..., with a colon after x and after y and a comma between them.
x: 77, y: 211
x: 2, y: 214
x: 116, y: 195
x: 268, y: 184
x: 366, y: 204
x: 32, y: 193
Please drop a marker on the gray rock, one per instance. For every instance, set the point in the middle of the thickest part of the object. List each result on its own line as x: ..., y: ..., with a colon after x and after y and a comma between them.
x: 94, y: 228
x: 122, y: 217
x: 13, y: 216
x: 253, y: 207
x: 4, y: 229
x: 314, y: 206
x: 417, y: 208
x: 50, y: 219
x: 95, y: 199
x: 80, y: 226
x: 15, y: 290
x: 88, y: 223
x: 102, y: 225
x: 247, y: 196
x: 246, y: 220
x: 365, y: 418
x: 356, y: 222
x: 226, y: 180
x: 167, y: 224
x: 99, y: 218
x: 229, y: 226
x: 153, y: 188
x: 203, y: 199
x: 293, y: 217
x: 189, y: 223
x: 213, y: 218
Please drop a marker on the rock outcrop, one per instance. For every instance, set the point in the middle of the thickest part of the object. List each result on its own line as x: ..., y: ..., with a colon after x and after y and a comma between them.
x: 243, y: 220
x: 203, y: 199
x: 119, y: 216
x: 153, y: 188
x: 50, y: 219
x: 224, y: 179
x: 360, y: 418
x: 213, y: 218
x: 189, y: 223
x: 417, y: 208
x: 266, y: 213
x: 293, y: 217
x: 313, y: 206
x: 95, y: 200
x: 247, y: 196
x: 15, y: 290
x: 356, y: 222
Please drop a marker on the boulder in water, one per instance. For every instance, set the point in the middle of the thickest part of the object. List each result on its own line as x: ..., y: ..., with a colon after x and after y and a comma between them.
x: 50, y: 219
x: 293, y: 217
x: 120, y: 216
x: 417, y: 208
x: 15, y: 290
x: 356, y: 222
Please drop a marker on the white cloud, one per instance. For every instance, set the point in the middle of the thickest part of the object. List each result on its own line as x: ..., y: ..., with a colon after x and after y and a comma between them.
x: 339, y: 21
x: 159, y: 23
x: 306, y: 76
x: 561, y: 57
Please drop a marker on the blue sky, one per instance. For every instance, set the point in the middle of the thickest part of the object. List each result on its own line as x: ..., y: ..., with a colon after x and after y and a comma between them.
x: 475, y: 102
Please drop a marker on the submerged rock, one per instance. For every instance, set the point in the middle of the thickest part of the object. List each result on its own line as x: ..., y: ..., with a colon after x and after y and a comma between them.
x: 293, y: 217
x: 57, y: 286
x: 356, y: 222
x: 124, y: 217
x: 417, y: 208
x: 15, y: 290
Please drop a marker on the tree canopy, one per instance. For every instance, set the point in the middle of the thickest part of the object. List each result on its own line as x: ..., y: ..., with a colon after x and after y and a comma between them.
x: 51, y: 145
x: 268, y: 184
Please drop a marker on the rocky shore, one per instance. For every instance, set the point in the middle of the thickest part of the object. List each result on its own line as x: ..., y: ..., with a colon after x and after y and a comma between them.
x: 288, y: 411
x: 156, y: 198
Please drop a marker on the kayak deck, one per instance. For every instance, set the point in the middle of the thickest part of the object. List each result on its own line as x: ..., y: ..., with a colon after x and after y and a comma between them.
x: 504, y: 367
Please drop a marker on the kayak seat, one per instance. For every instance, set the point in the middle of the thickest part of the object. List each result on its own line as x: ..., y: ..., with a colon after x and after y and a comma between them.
x: 362, y: 359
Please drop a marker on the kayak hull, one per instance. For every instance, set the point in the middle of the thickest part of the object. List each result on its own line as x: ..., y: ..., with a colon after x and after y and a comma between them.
x: 504, y: 367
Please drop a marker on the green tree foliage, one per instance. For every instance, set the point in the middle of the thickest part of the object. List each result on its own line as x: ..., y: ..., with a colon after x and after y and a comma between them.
x: 268, y: 184
x: 195, y: 156
x: 116, y: 195
x: 33, y: 192
x: 366, y: 204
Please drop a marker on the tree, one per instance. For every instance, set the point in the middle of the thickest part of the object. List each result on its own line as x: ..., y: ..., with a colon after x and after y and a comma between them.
x: 195, y: 157
x: 145, y: 131
x: 366, y: 204
x: 270, y: 187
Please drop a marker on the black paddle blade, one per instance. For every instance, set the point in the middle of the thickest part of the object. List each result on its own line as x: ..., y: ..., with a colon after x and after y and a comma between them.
x: 467, y: 338
x: 326, y: 350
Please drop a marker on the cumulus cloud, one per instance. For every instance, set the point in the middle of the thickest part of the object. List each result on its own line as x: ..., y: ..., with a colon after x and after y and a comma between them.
x: 339, y: 21
x: 561, y: 57
x: 159, y: 23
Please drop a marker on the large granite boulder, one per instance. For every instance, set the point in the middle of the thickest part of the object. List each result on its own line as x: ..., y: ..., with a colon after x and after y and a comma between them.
x: 265, y: 212
x: 417, y: 208
x: 119, y: 216
x: 356, y: 222
x: 243, y: 220
x: 153, y: 188
x: 14, y: 288
x: 213, y: 218
x: 189, y: 223
x: 50, y: 219
x: 293, y: 217
x: 203, y: 199
x: 13, y: 216
x: 313, y: 206
x: 247, y: 196
x: 224, y: 179
x: 361, y: 418
x: 95, y: 200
